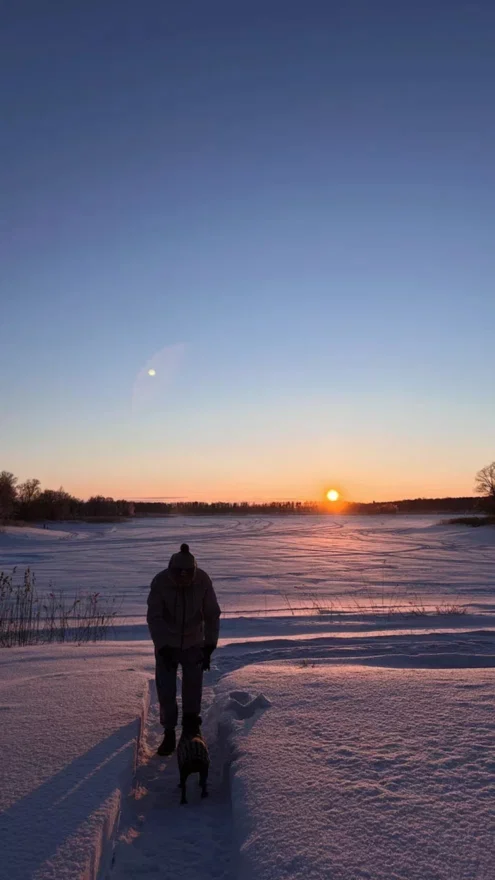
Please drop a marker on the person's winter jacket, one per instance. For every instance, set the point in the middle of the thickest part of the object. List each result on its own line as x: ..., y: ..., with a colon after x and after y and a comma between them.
x: 183, y: 616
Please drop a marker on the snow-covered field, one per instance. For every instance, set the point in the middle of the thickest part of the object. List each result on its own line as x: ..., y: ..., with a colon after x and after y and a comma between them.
x: 258, y: 564
x: 348, y: 738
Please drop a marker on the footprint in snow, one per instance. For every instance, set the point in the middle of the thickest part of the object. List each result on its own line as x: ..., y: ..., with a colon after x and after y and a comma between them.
x: 244, y: 706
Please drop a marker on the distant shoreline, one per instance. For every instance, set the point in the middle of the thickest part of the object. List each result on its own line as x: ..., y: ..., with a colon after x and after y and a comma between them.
x: 466, y: 517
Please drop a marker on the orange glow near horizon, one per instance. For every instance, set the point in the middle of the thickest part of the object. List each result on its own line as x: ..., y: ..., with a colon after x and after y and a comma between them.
x: 227, y: 481
x: 225, y: 491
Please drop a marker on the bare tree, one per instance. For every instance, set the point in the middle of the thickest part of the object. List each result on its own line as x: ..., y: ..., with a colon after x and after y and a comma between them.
x: 29, y: 491
x: 8, y: 494
x: 485, y: 482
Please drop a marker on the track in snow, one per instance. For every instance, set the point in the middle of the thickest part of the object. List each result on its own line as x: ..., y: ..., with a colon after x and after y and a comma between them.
x: 157, y: 836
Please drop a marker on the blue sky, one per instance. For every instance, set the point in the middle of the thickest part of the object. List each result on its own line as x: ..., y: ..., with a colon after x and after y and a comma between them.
x: 286, y: 209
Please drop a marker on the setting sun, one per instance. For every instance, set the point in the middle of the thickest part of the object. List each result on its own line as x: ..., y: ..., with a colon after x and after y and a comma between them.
x: 333, y: 495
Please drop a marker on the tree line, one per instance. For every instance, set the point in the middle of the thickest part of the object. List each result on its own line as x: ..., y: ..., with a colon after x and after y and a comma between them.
x: 217, y: 508
x: 28, y: 502
x: 467, y: 504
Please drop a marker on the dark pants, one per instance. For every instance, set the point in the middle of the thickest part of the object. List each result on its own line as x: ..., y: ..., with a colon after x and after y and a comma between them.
x: 191, y: 661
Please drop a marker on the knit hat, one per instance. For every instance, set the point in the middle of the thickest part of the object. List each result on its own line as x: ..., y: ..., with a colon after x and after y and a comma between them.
x: 184, y: 560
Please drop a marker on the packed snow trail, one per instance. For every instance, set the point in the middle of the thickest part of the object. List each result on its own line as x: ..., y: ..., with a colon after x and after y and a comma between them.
x: 159, y: 837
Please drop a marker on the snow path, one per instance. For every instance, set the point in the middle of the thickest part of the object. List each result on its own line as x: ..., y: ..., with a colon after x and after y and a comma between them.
x: 157, y: 836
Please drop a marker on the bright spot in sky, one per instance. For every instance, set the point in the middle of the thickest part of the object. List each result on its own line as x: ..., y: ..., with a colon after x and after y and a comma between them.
x: 333, y: 495
x: 152, y: 372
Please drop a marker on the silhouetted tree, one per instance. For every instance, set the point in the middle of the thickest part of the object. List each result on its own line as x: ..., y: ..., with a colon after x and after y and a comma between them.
x: 28, y: 491
x: 485, y: 483
x: 56, y: 504
x: 98, y: 505
x: 124, y: 508
x: 8, y: 494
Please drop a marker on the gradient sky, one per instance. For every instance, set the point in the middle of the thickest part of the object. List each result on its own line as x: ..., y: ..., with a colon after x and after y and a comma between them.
x: 284, y: 208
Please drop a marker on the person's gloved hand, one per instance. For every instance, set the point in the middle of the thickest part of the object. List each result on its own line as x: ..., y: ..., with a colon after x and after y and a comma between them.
x: 207, y: 652
x: 167, y: 655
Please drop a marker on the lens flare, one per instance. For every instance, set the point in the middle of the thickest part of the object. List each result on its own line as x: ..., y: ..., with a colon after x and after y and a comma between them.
x: 152, y: 383
x: 333, y: 495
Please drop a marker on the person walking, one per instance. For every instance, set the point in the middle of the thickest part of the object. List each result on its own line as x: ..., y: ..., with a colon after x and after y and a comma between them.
x: 183, y: 619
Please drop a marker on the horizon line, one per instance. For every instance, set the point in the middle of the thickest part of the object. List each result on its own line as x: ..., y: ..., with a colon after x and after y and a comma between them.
x: 280, y: 500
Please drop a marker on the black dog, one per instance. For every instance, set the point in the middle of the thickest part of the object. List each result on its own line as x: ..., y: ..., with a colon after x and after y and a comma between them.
x: 193, y: 757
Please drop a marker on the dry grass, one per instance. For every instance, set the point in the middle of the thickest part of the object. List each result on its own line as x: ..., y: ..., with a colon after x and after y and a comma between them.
x: 450, y: 609
x: 28, y: 617
x: 388, y: 607
x: 473, y: 521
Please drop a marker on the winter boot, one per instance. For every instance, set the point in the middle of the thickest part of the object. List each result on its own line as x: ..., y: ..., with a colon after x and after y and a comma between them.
x: 191, y: 724
x: 167, y: 746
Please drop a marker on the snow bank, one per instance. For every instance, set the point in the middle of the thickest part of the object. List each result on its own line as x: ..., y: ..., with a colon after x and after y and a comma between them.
x: 13, y: 534
x: 356, y: 772
x: 71, y: 721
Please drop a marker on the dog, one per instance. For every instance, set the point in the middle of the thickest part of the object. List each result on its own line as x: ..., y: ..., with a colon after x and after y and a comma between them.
x: 193, y: 757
